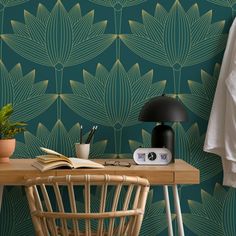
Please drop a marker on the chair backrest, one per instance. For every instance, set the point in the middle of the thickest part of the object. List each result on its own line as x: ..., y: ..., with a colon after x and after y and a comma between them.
x: 87, y: 205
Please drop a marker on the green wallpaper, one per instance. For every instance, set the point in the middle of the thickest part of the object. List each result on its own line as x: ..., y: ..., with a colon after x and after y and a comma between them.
x: 72, y: 62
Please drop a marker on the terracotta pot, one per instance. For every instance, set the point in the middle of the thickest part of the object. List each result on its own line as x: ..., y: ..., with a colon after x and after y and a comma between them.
x: 7, y: 147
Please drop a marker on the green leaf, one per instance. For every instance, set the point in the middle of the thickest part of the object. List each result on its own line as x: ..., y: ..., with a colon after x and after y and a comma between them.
x: 42, y: 132
x: 35, y: 28
x: 219, y: 193
x: 202, y: 226
x: 134, y: 145
x: 23, y: 88
x: 20, y: 151
x: 32, y: 107
x: 118, y: 95
x: 97, y: 29
x: 212, y: 206
x: 193, y: 134
x: 20, y: 29
x: 75, y: 13
x: 89, y: 49
x: 197, y: 208
x: 74, y: 133
x: 102, y: 73
x: 223, y: 3
x: 160, y: 13
x: 59, y: 139
x: 200, y: 27
x: 82, y: 27
x: 229, y: 215
x: 59, y: 27
x: 177, y: 43
x: 15, y: 216
x: 137, y: 29
x: 146, y: 138
x: 209, y: 83
x: 87, y: 108
x: 39, y: 88
x: 206, y: 49
x: 201, y: 97
x: 7, y: 93
x: 92, y: 84
x: 43, y: 14
x: 78, y: 88
x: 197, y: 89
x: 193, y: 14
x: 182, y: 147
x: 157, y: 89
x: 198, y: 105
x: 145, y: 48
x: 216, y: 28
x: 29, y: 100
x: 98, y: 149
x: 27, y: 48
x: 33, y: 144
x: 153, y: 28
x: 144, y: 83
x: 12, y: 3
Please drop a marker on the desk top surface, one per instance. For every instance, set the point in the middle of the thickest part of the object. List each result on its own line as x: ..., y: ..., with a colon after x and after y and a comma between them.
x: 18, y: 170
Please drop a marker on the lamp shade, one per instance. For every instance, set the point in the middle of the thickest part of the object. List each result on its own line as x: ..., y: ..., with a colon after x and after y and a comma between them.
x: 163, y: 109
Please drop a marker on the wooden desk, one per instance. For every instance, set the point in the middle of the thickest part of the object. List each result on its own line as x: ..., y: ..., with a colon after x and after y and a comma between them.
x: 18, y: 170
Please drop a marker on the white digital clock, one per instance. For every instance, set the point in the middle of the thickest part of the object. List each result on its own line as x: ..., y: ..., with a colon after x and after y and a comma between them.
x: 152, y: 156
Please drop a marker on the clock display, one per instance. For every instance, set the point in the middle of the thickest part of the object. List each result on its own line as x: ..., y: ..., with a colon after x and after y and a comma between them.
x: 152, y: 156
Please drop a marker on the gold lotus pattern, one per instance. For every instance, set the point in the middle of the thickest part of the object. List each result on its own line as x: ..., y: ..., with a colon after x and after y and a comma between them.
x: 201, y: 98
x: 176, y: 38
x: 99, y: 100
x: 14, y: 215
x: 3, y: 5
x: 226, y: 3
x: 49, y: 51
x: 118, y: 6
x: 37, y: 39
x: 58, y: 135
x: 28, y: 98
x: 215, y: 213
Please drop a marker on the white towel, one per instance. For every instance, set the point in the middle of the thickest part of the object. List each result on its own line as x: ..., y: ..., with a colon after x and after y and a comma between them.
x: 221, y: 131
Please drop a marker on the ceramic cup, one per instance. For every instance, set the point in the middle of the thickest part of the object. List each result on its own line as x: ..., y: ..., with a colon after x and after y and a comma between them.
x: 82, y: 150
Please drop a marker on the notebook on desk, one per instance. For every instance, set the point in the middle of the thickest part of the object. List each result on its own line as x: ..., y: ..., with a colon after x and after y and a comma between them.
x: 52, y: 160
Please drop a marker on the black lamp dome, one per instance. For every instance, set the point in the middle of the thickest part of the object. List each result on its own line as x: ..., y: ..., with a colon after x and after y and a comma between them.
x: 163, y: 109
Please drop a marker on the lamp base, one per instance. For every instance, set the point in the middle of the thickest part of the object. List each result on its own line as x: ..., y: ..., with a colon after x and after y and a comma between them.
x: 163, y: 137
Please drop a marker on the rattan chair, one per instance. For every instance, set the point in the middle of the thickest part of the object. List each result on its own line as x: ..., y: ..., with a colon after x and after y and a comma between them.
x: 111, y: 205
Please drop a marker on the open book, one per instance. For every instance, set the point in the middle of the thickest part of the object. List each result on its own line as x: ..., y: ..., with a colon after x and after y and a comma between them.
x: 52, y: 160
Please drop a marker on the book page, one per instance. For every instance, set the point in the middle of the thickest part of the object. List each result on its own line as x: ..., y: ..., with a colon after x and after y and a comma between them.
x: 52, y: 158
x: 78, y: 163
x: 49, y: 166
x: 51, y: 152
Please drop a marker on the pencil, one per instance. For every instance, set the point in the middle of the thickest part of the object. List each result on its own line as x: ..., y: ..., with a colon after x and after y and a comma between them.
x: 81, y: 134
x: 89, y: 136
x: 94, y: 130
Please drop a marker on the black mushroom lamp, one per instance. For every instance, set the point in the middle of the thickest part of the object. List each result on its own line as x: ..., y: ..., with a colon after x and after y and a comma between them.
x: 163, y: 109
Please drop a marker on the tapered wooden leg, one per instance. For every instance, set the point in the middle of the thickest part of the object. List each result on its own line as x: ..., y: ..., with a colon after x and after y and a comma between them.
x: 178, y: 211
x: 168, y: 212
x: 1, y: 195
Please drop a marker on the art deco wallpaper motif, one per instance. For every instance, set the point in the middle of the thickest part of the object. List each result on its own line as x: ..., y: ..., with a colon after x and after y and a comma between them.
x: 84, y: 62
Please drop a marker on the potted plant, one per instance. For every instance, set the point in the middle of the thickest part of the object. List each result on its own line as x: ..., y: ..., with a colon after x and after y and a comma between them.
x: 8, y: 130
